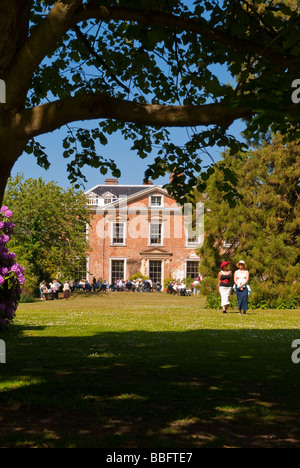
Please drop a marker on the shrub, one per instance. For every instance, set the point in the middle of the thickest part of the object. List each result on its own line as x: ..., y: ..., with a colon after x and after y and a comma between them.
x: 11, y: 273
x: 209, y: 286
x: 138, y: 276
x: 263, y: 296
x: 26, y: 298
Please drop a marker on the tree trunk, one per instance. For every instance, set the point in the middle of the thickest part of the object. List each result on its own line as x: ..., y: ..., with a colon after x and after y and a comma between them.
x: 4, y: 175
x: 8, y: 157
x: 14, y: 22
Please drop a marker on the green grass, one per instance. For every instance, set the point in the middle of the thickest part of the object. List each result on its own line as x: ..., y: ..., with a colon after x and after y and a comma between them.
x: 148, y: 370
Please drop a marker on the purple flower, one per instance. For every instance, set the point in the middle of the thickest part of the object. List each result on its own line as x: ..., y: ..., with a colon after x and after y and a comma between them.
x: 21, y: 279
x: 9, y: 313
x: 10, y: 291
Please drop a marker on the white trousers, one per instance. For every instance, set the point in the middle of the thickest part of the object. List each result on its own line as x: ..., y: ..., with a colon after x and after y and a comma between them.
x: 225, y: 293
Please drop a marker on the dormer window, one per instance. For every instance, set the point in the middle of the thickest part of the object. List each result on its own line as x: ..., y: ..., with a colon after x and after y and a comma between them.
x: 108, y: 198
x: 156, y: 200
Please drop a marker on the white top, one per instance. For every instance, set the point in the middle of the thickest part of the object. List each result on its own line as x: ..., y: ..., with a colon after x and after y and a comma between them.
x: 241, y: 277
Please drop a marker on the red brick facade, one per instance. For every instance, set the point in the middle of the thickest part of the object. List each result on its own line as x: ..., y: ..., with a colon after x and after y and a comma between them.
x: 138, y: 229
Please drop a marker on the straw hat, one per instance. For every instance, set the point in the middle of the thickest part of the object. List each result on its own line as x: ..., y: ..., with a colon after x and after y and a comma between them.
x: 241, y: 261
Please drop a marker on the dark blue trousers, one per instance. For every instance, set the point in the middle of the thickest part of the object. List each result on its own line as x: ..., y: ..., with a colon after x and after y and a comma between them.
x: 242, y: 297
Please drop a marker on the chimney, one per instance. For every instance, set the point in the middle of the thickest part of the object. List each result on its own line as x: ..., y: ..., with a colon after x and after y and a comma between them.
x: 150, y: 182
x: 111, y: 181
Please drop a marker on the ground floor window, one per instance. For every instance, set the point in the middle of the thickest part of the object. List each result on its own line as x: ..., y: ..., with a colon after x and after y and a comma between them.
x: 192, y: 269
x: 117, y: 270
x: 155, y: 271
x: 80, y: 272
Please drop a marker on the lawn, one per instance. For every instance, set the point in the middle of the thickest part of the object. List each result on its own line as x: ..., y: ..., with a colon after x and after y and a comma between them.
x: 138, y: 370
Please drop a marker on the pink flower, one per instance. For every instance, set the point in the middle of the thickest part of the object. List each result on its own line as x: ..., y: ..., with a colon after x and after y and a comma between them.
x: 7, y: 213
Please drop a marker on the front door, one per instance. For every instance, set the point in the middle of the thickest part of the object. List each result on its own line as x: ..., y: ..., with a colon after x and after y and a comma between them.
x: 155, y: 271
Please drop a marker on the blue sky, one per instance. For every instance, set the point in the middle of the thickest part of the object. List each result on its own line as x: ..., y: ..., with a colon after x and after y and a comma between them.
x: 131, y: 166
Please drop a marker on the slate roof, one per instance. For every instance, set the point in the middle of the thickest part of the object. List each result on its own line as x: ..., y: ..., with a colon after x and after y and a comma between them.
x: 119, y: 190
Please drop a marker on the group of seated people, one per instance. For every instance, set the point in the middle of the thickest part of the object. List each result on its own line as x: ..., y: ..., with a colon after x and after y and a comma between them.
x: 95, y: 285
x: 133, y: 285
x: 137, y: 285
x: 178, y: 288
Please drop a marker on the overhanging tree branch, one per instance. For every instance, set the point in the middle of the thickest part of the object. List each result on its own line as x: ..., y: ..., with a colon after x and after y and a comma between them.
x: 51, y: 116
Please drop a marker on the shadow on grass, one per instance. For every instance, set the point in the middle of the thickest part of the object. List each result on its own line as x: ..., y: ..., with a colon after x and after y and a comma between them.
x: 199, y: 388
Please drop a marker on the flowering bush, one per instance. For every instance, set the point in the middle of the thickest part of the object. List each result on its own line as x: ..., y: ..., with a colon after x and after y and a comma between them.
x: 11, y: 273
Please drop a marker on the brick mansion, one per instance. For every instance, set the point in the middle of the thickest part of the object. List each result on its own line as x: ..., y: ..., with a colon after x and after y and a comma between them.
x: 140, y: 229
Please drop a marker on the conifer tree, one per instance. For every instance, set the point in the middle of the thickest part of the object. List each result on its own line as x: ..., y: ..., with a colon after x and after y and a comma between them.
x: 263, y: 227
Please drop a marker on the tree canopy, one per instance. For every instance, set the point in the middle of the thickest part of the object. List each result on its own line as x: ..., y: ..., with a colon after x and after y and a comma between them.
x: 142, y: 69
x: 50, y: 229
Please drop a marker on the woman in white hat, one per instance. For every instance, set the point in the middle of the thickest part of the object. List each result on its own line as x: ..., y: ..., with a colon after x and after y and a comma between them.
x: 241, y: 278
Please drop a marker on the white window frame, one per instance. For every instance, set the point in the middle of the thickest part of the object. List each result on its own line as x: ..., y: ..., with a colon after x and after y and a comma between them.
x: 110, y: 267
x: 112, y: 243
x: 162, y: 268
x: 188, y: 261
x: 162, y: 234
x: 192, y: 245
x: 156, y: 195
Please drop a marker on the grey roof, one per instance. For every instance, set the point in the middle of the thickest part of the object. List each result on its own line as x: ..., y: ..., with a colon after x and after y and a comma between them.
x: 120, y: 190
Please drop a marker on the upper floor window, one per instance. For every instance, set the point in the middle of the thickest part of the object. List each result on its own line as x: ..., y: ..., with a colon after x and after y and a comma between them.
x: 192, y: 236
x: 192, y: 239
x: 118, y: 233
x: 155, y: 233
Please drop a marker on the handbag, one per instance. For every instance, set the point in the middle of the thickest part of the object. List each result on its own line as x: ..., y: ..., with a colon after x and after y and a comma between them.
x: 234, y: 287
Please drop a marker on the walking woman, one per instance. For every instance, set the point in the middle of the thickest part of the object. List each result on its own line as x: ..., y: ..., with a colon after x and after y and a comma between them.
x: 224, y: 285
x: 241, y: 278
